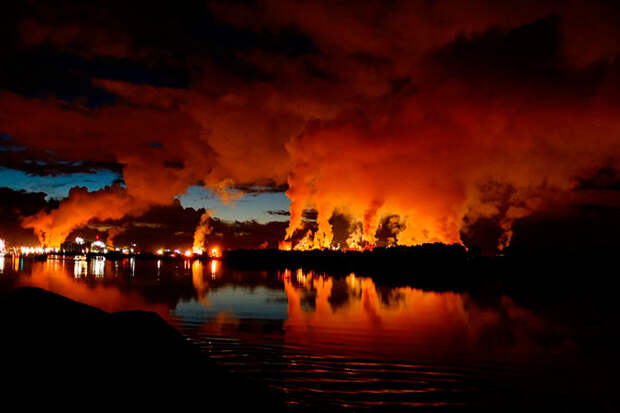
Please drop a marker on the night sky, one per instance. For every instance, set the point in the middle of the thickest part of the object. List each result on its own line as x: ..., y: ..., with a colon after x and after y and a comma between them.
x: 486, y: 123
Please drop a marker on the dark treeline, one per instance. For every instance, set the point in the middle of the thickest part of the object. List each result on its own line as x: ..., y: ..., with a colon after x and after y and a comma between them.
x: 388, y: 263
x: 530, y: 274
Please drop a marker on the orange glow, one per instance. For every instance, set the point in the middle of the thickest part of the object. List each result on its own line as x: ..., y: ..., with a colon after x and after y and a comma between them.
x: 215, y: 267
x: 188, y: 253
x: 285, y: 245
x: 306, y: 243
x: 215, y: 252
x: 54, y: 276
x: 200, y: 285
x: 419, y: 319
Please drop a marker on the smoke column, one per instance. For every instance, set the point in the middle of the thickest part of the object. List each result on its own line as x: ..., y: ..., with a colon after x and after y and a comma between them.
x: 202, y: 231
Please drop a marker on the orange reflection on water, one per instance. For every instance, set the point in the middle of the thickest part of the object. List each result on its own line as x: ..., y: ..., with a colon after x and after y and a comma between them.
x: 200, y: 285
x: 54, y: 276
x: 329, y: 315
x: 215, y: 268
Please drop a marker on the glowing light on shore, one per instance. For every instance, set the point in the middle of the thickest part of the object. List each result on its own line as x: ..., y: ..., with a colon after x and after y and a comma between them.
x: 215, y: 252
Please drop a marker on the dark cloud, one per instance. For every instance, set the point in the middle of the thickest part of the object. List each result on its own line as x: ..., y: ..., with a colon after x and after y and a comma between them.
x: 279, y: 212
x: 27, y: 162
x: 261, y: 188
x: 606, y: 178
x: 572, y: 231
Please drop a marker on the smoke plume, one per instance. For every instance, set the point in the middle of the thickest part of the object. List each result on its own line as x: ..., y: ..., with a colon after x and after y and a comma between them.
x: 425, y: 116
x: 202, y: 231
x: 78, y: 209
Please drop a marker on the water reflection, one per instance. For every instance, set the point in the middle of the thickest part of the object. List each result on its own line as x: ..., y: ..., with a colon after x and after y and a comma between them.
x: 98, y: 265
x: 215, y: 265
x: 73, y: 279
x: 351, y: 314
x: 80, y: 268
x: 311, y: 333
x: 200, y: 285
x: 1, y: 264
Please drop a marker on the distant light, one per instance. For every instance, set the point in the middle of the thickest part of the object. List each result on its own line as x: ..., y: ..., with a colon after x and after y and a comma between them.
x: 98, y: 244
x: 160, y: 251
x: 79, y: 240
x: 188, y: 253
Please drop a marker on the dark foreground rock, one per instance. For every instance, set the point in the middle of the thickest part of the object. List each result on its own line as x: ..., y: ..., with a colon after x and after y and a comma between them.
x: 62, y: 354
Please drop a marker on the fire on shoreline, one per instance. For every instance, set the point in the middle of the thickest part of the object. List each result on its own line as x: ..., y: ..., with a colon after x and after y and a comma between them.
x: 308, y: 243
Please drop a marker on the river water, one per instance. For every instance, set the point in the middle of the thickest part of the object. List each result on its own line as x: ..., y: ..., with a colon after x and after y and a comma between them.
x: 326, y: 341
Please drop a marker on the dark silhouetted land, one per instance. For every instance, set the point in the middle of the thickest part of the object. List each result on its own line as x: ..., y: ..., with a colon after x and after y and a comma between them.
x: 63, y: 354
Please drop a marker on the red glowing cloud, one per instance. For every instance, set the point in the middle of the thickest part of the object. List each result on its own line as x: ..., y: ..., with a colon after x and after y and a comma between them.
x: 423, y: 117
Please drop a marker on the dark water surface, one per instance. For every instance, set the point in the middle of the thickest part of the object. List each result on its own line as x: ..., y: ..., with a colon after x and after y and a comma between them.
x: 325, y: 341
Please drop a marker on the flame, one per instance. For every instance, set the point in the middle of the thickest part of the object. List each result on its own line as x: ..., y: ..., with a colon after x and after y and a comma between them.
x: 306, y: 243
x: 285, y: 245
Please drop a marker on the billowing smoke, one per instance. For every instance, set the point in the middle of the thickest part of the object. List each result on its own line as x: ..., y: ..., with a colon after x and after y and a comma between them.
x: 424, y: 116
x: 53, y: 227
x: 113, y: 232
x: 202, y: 231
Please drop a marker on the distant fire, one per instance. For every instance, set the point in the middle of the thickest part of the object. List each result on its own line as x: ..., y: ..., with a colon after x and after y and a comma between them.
x: 200, y: 235
x: 307, y: 243
x: 285, y: 245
